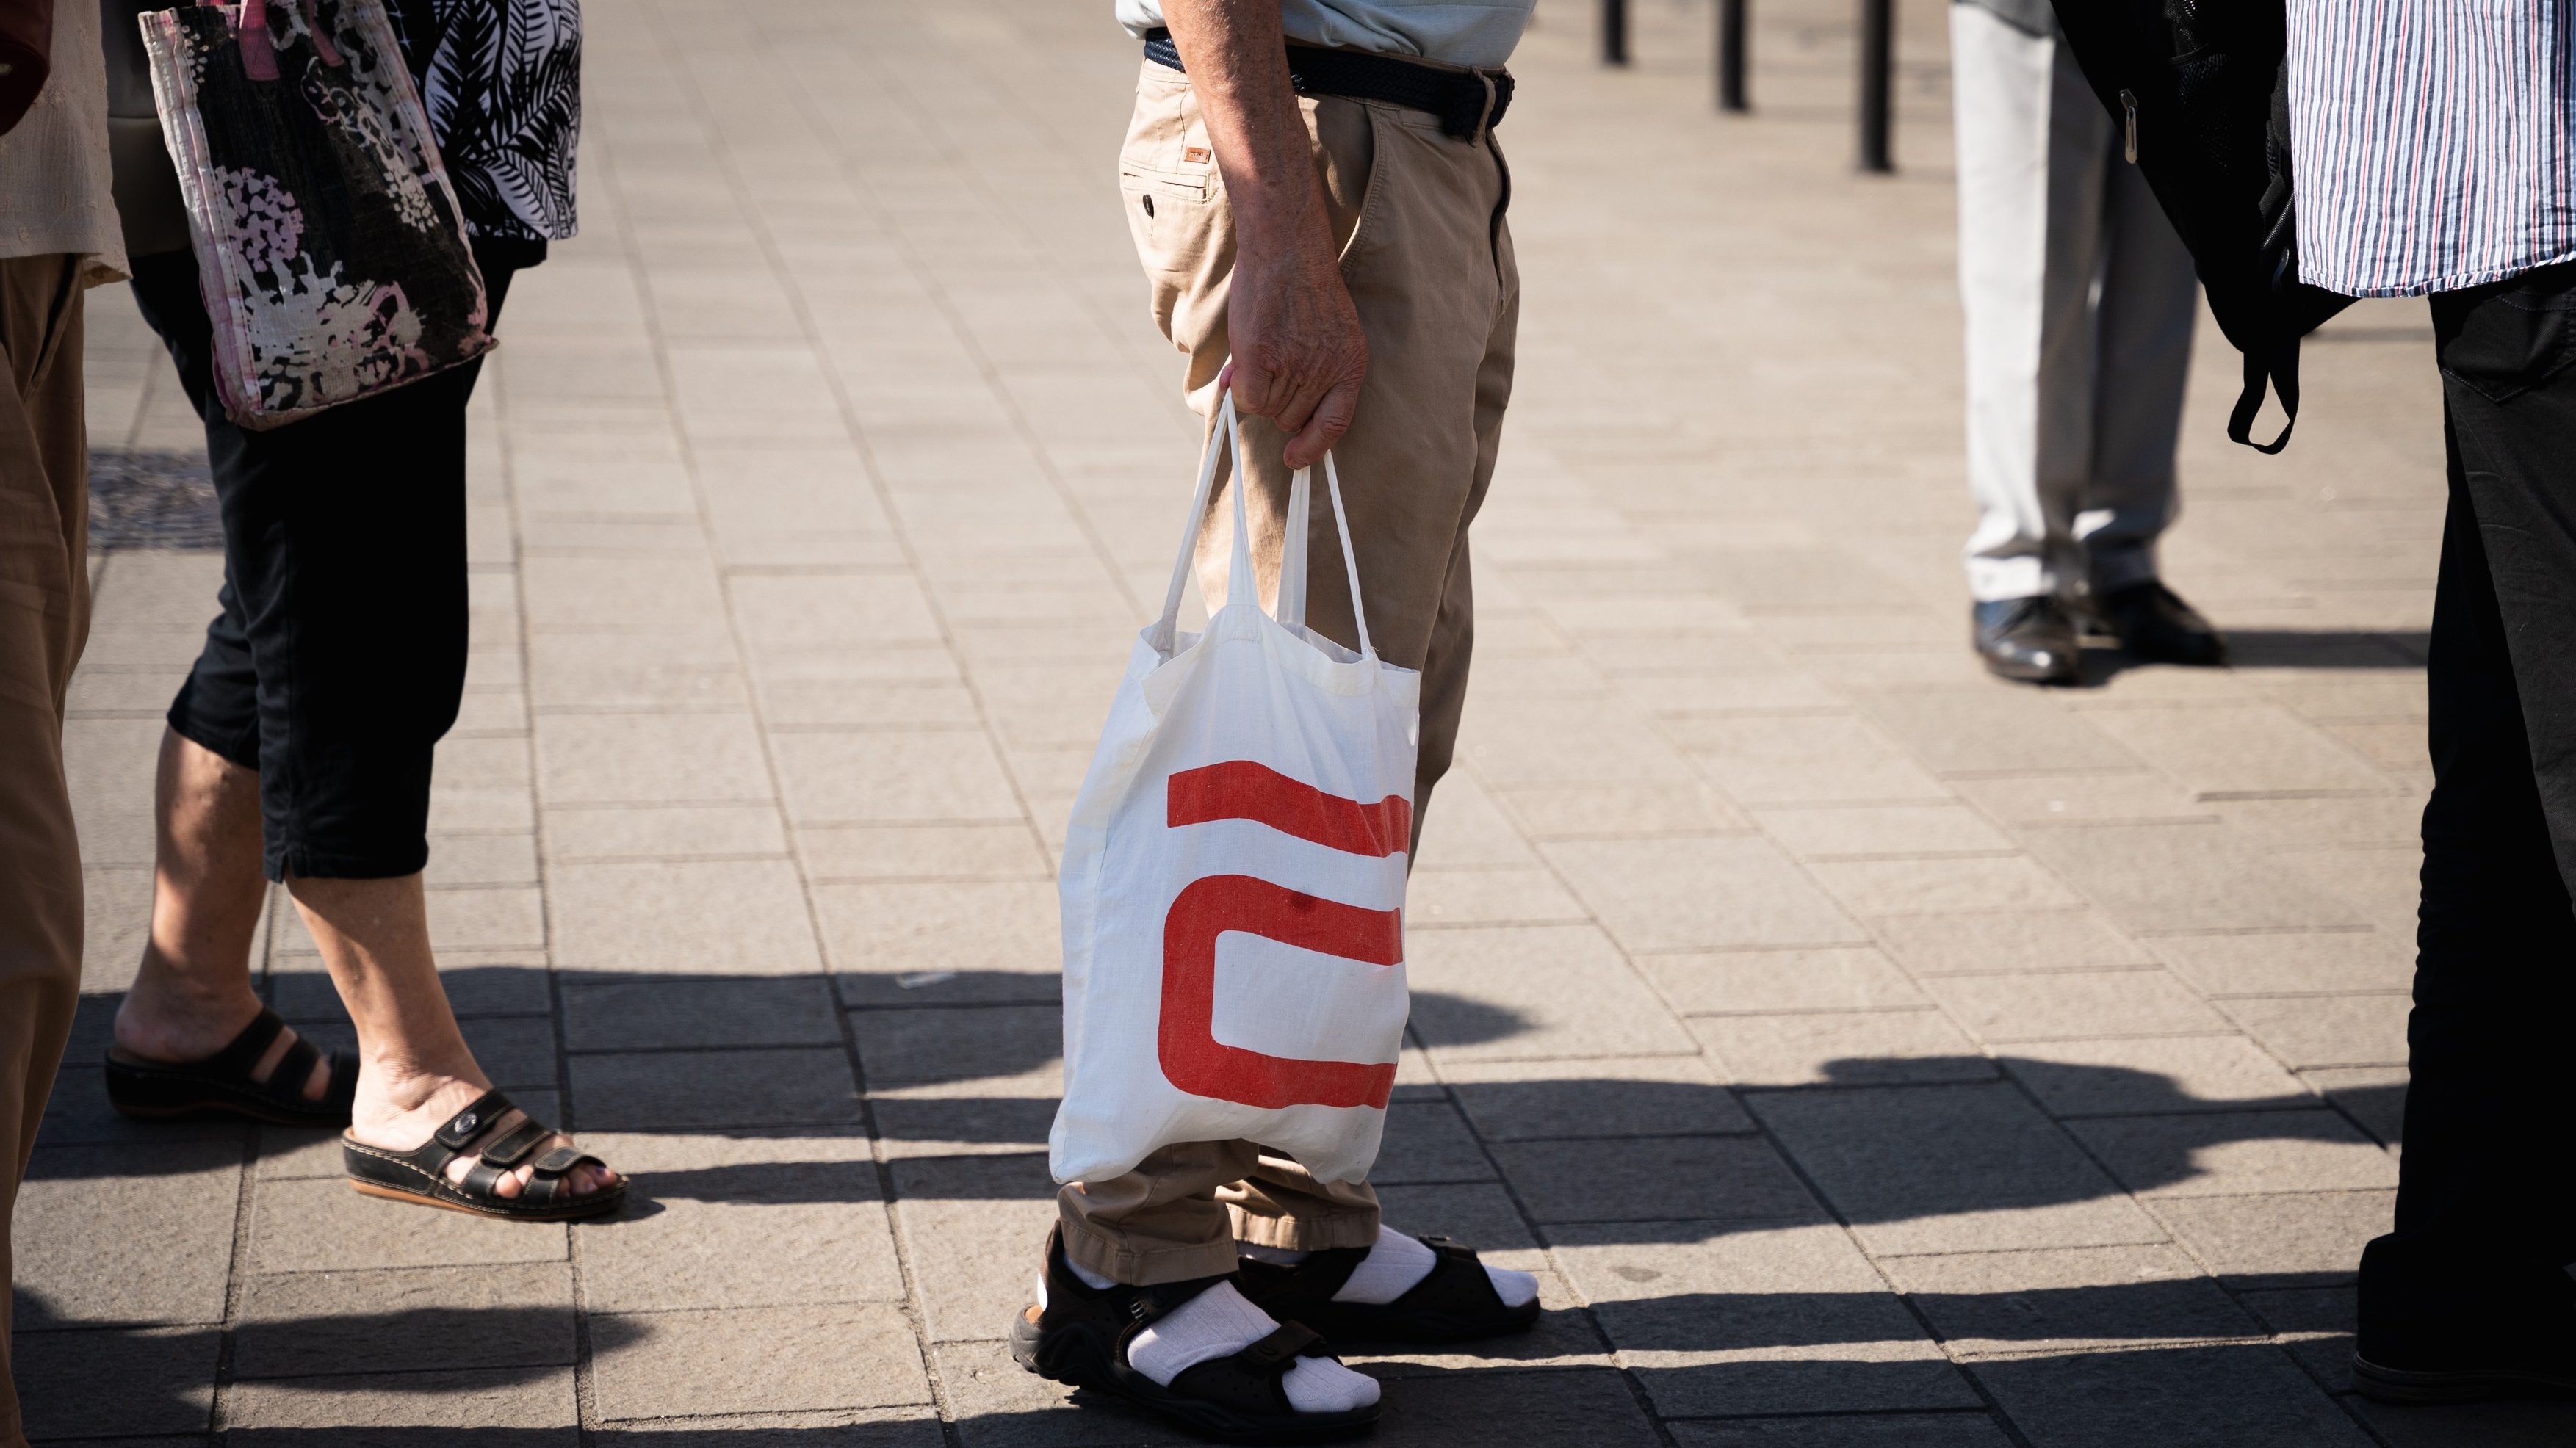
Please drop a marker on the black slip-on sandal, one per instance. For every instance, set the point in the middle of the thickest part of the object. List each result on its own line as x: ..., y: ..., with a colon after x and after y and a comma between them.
x: 1456, y: 1302
x: 1080, y: 1337
x: 220, y: 1085
x: 420, y: 1175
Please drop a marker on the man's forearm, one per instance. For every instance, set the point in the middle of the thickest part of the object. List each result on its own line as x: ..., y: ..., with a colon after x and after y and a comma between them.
x: 1238, y: 68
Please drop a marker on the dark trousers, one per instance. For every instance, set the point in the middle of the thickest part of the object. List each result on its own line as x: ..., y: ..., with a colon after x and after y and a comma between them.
x: 337, y: 660
x: 2486, y: 1203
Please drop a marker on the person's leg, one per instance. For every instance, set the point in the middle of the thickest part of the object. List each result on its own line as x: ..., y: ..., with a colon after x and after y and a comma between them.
x: 2030, y: 176
x: 2471, y: 1280
x: 44, y: 620
x: 2150, y: 304
x: 350, y: 603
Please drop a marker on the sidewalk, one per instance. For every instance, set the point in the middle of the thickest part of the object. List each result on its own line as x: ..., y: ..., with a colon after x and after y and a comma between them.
x: 1863, y: 1052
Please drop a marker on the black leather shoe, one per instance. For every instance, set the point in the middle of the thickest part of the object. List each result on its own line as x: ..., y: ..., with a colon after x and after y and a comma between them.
x: 2155, y: 624
x: 2442, y: 1328
x: 2029, y: 639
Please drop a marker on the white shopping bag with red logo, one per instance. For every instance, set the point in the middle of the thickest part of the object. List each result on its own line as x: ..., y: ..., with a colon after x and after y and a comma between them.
x: 1233, y: 879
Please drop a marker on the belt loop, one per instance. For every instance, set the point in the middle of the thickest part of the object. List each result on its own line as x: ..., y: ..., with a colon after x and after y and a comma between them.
x: 1485, y: 117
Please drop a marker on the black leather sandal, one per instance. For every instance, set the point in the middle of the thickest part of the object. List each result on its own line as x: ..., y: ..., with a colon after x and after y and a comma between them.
x: 220, y: 1085
x: 420, y: 1175
x: 1081, y: 1335
x: 1455, y: 1303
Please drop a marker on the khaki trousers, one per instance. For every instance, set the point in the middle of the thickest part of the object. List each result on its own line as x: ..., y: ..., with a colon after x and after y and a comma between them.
x: 1428, y: 260
x: 44, y: 620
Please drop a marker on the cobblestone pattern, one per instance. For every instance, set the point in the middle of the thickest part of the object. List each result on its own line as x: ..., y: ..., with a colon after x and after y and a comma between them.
x: 1862, y: 1052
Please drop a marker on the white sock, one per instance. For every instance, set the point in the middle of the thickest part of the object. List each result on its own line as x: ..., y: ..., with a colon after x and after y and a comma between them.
x: 1219, y: 1323
x: 1392, y: 1267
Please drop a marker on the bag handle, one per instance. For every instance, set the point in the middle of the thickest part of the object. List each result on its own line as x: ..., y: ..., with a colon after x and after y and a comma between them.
x: 1225, y: 439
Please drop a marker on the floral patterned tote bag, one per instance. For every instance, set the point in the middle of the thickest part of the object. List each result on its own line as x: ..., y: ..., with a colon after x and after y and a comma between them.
x: 328, y: 238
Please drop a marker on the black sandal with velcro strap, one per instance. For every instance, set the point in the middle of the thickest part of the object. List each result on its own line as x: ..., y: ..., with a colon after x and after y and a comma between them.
x: 221, y: 1085
x: 1456, y: 1302
x: 1080, y: 1337
x: 420, y: 1175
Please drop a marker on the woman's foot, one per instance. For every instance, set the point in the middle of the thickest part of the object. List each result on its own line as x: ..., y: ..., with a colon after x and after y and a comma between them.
x: 401, y: 1113
x: 162, y: 1022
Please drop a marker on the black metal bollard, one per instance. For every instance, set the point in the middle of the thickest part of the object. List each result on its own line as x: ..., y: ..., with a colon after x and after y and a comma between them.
x: 1614, y: 32
x: 1730, y: 56
x: 1877, y: 62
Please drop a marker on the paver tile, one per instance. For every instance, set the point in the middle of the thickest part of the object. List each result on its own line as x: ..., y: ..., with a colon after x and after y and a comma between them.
x: 1703, y: 893
x: 1858, y: 1430
x: 2231, y: 1153
x: 1987, y: 1303
x: 2223, y: 1394
x: 2344, y: 1030
x: 1640, y: 1096
x: 2136, y: 1075
x: 941, y: 1043
x: 1991, y: 729
x: 1949, y: 1169
x: 755, y: 1359
x: 1940, y: 885
x: 1914, y: 829
x: 650, y: 759
x: 1001, y: 936
x: 1530, y: 992
x: 648, y: 1014
x: 514, y: 1316
x: 1847, y: 1048
x: 888, y: 777
x: 1649, y: 1179
x: 1619, y: 811
x: 167, y: 1261
x: 2174, y: 877
x: 1828, y: 978
x: 533, y: 1406
x: 1979, y: 944
x: 700, y: 917
x: 679, y: 1090
x: 740, y: 1221
x: 106, y: 1382
x: 2002, y: 1008
x: 2307, y: 1237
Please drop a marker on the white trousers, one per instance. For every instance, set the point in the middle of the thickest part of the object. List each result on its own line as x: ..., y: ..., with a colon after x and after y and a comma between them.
x: 2080, y: 303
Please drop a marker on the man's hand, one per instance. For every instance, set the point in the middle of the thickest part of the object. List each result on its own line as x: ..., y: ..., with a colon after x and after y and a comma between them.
x: 1299, y: 353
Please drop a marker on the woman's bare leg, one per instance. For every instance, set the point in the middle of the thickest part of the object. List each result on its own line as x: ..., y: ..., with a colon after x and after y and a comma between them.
x: 192, y: 993
x: 414, y: 1069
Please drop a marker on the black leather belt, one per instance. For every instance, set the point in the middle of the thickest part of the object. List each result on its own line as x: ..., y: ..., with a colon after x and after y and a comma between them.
x: 1466, y: 101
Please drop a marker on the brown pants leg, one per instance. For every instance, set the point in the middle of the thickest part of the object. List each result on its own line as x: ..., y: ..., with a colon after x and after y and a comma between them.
x: 44, y: 619
x: 1429, y: 264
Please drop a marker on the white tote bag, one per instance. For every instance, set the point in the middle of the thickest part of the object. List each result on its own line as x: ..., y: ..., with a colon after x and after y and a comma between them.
x: 1233, y: 878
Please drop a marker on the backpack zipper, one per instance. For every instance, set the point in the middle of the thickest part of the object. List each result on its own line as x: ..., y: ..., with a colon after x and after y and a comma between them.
x: 2129, y: 104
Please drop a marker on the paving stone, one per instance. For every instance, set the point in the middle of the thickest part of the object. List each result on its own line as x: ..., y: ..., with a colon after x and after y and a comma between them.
x: 2309, y: 1031
x: 705, y: 917
x: 77, y: 1113
x: 659, y: 1014
x: 741, y: 1221
x: 2043, y: 800
x: 2239, y: 750
x: 990, y: 941
x: 917, y: 1426
x: 2195, y: 1395
x: 1802, y: 759
x: 2234, y: 1153
x: 320, y: 1225
x: 2307, y: 963
x: 878, y: 777
x: 506, y: 859
x: 1941, y: 885
x: 1980, y: 944
x: 1833, y: 978
x: 478, y: 983
x: 976, y: 1115
x: 1428, y: 1141
x: 921, y: 852
x: 107, y: 1382
x: 535, y: 1407
x: 1525, y: 746
x: 678, y: 1090
x: 1701, y: 894
x: 1991, y: 729
x: 2486, y: 1425
x: 1861, y: 1430
x: 2070, y: 1005
x: 973, y: 1230
x: 1648, y: 1179
x: 1844, y: 1048
x: 755, y: 1359
x: 954, y: 1043
x: 1531, y: 992
x: 2168, y: 877
x: 2375, y: 1096
x: 2307, y: 1238
x: 418, y: 1320
x: 663, y: 832
x: 1927, y: 829
x: 1950, y: 1169
x: 2133, y: 1076
x: 1640, y: 1096
x: 1447, y: 897
x: 1585, y: 1405
x: 999, y: 1404
x: 2315, y: 1324
x: 1744, y: 1319
x: 1985, y: 1303
x: 1620, y: 811
x: 166, y: 1261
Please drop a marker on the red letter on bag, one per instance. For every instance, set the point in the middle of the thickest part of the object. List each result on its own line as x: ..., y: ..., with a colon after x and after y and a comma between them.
x: 1193, y: 1059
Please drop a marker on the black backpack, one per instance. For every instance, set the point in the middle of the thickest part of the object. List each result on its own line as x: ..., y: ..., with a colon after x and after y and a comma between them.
x: 2200, y: 88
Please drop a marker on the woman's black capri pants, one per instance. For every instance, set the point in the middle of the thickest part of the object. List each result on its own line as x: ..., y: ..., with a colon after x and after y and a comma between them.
x: 338, y: 659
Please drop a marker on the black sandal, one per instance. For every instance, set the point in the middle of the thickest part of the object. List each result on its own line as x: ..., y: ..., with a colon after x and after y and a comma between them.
x: 1081, y: 1335
x: 420, y: 1175
x: 220, y: 1085
x: 1456, y: 1302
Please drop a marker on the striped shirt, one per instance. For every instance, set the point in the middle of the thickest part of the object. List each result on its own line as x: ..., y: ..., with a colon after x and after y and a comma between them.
x: 2430, y: 140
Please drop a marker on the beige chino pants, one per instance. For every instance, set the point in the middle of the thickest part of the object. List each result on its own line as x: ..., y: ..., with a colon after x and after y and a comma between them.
x: 44, y: 620
x: 1428, y: 260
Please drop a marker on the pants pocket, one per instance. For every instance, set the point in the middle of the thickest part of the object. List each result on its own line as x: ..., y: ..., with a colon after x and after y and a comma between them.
x: 2503, y: 340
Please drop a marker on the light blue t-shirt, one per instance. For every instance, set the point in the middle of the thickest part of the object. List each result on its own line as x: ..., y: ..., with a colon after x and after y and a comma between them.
x: 1453, y: 32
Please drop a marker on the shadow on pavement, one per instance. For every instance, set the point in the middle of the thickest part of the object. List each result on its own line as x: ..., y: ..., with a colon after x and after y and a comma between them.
x: 2287, y: 649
